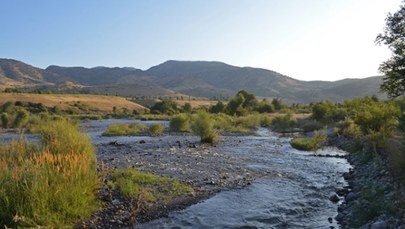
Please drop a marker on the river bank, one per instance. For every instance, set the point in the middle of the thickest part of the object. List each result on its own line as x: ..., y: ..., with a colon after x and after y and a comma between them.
x: 373, y: 199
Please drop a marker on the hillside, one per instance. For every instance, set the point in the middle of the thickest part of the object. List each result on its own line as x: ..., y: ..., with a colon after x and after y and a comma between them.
x: 181, y: 79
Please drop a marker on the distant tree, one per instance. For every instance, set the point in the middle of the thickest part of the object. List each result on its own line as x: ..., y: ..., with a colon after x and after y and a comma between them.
x: 264, y: 107
x: 277, y: 104
x: 394, y: 68
x: 4, y: 120
x: 217, y: 108
x: 242, y: 102
x: 164, y: 107
x: 187, y: 108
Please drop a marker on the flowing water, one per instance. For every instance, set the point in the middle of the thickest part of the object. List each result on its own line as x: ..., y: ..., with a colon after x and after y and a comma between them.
x: 296, y: 197
x: 295, y: 194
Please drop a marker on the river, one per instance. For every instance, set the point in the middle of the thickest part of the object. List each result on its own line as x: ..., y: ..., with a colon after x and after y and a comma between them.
x: 295, y: 194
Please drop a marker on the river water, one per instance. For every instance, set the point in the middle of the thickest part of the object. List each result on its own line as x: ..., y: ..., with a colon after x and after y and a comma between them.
x: 296, y: 197
x: 295, y: 194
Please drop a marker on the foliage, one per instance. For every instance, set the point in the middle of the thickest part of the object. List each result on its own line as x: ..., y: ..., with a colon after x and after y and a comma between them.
x: 202, y: 124
x: 309, y: 125
x: 180, y: 123
x: 219, y: 107
x: 187, y: 108
x: 53, y: 184
x: 5, y: 120
x: 283, y: 123
x: 264, y: 107
x: 164, y: 107
x: 119, y: 129
x: 349, y: 129
x: 327, y: 112
x: 394, y: 68
x: 309, y: 144
x: 241, y: 103
x: 133, y: 183
x: 156, y: 129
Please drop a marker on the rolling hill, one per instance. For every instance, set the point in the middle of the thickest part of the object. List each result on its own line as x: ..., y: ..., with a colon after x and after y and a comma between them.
x: 183, y: 78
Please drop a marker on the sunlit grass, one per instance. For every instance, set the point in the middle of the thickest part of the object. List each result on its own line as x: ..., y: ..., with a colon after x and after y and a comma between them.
x: 132, y: 183
x: 52, y: 184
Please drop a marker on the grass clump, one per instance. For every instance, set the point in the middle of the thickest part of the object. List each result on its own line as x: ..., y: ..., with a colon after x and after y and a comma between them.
x: 133, y: 183
x: 119, y: 129
x: 180, y: 123
x: 156, y: 129
x: 203, y: 125
x: 309, y: 144
x: 52, y: 184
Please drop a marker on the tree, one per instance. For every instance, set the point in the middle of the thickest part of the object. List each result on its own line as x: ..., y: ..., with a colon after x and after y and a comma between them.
x: 394, y: 68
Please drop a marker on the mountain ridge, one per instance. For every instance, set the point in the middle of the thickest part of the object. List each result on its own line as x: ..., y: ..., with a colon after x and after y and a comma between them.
x: 211, y: 79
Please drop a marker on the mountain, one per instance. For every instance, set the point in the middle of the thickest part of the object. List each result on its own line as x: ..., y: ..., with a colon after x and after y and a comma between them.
x: 182, y: 78
x: 209, y: 79
x: 14, y: 73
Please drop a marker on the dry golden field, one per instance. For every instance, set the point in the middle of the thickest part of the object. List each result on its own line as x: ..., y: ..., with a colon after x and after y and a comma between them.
x: 96, y: 103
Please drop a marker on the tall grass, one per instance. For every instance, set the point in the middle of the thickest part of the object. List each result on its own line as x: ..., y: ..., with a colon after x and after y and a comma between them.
x: 131, y: 183
x: 52, y: 184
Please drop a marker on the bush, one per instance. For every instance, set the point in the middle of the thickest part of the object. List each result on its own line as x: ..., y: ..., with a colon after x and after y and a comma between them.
x: 309, y: 144
x: 203, y: 125
x: 266, y: 121
x: 124, y: 129
x: 53, y: 184
x: 4, y: 120
x: 180, y: 123
x: 283, y: 123
x: 309, y: 125
x: 156, y: 129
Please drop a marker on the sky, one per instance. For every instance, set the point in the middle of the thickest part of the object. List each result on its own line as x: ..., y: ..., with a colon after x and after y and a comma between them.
x: 303, y: 39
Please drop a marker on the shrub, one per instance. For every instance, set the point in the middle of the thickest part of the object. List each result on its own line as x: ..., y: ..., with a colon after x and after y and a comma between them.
x: 21, y: 118
x: 309, y: 125
x: 4, y: 120
x: 53, y: 184
x: 180, y: 123
x: 156, y: 129
x: 266, y: 121
x: 203, y: 125
x: 283, y: 123
x: 309, y: 144
x: 124, y: 129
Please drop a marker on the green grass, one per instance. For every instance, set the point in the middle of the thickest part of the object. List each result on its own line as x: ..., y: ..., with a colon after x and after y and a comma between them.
x: 309, y: 144
x: 133, y: 183
x: 51, y: 184
x: 119, y: 129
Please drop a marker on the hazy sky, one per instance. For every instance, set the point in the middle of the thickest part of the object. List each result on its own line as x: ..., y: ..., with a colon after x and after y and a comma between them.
x: 304, y: 39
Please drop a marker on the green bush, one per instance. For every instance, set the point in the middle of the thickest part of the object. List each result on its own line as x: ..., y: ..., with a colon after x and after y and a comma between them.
x: 266, y: 121
x: 180, y: 123
x: 309, y: 144
x: 202, y: 125
x: 124, y: 129
x: 53, y: 184
x: 283, y: 123
x: 309, y: 125
x: 156, y: 129
x: 5, y: 120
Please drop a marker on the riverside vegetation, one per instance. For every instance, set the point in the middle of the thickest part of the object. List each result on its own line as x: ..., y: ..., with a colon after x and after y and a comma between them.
x: 64, y: 153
